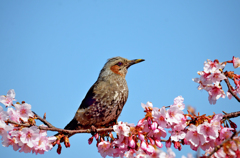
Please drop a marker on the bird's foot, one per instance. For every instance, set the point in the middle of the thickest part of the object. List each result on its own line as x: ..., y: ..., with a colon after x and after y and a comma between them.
x: 93, y: 130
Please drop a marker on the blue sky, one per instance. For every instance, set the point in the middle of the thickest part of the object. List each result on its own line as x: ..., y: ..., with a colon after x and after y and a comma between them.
x: 51, y: 52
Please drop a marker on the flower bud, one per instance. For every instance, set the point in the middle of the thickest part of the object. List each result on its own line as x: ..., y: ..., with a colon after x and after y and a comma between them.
x: 158, y: 143
x: 90, y: 140
x: 154, y: 125
x: 131, y: 142
x: 59, y: 149
x: 141, y: 136
x: 168, y: 143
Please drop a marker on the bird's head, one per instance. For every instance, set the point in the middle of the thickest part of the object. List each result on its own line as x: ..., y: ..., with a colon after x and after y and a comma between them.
x: 117, y: 66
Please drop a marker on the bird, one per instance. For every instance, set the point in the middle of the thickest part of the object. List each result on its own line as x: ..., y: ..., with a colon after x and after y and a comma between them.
x: 106, y: 98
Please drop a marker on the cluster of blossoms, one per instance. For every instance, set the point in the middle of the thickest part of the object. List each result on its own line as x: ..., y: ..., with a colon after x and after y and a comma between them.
x: 212, y: 76
x: 24, y: 139
x: 144, y: 139
x: 18, y: 128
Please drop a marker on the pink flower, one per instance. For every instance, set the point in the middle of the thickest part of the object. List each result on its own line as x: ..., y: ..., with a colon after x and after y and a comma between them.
x: 174, y: 115
x: 24, y: 111
x: 217, y: 77
x: 160, y: 117
x: 25, y: 148
x: 177, y: 135
x: 147, y: 106
x: 236, y: 62
x: 158, y: 133
x: 104, y: 148
x: 4, y: 128
x: 3, y: 114
x: 14, y: 116
x: 193, y: 137
x: 212, y: 67
x: 8, y: 99
x: 208, y: 130
x: 43, y: 144
x: 215, y: 92
x: 121, y: 129
x: 178, y: 101
x: 226, y: 133
x: 215, y: 122
x: 30, y: 136
x: 7, y: 140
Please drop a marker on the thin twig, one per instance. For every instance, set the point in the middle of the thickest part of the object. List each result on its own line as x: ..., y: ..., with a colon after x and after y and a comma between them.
x: 44, y: 121
x: 230, y: 89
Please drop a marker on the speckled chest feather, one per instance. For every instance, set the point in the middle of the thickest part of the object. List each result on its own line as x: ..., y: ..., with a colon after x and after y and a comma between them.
x: 103, y: 102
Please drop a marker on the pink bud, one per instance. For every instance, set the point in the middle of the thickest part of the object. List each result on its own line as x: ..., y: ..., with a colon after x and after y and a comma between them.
x: 149, y: 121
x: 140, y: 122
x: 143, y: 146
x: 150, y: 150
x: 177, y: 145
x: 96, y: 136
x: 151, y: 141
x: 90, y: 140
x: 185, y: 142
x: 131, y: 142
x: 141, y: 136
x: 168, y: 143
x: 158, y: 143
x: 154, y: 125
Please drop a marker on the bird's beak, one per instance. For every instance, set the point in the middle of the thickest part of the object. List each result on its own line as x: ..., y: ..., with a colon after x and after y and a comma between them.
x: 135, y: 61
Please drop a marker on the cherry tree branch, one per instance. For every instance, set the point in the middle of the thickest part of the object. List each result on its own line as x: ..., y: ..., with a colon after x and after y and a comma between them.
x: 231, y: 115
x: 59, y: 129
x: 221, y: 145
x: 230, y: 89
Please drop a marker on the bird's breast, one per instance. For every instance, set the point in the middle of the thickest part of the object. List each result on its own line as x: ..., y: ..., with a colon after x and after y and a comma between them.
x: 109, y: 98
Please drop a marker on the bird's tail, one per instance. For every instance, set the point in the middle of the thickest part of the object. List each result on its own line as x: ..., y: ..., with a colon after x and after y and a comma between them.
x: 70, y: 126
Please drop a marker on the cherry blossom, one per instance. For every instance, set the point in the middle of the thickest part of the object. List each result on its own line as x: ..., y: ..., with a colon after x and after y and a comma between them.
x: 30, y: 136
x: 3, y: 114
x: 104, y: 149
x: 24, y: 111
x: 121, y: 129
x: 193, y: 137
x: 160, y: 117
x: 174, y: 115
x: 216, y: 77
x: 212, y: 67
x: 236, y: 62
x: 215, y: 92
x: 8, y: 99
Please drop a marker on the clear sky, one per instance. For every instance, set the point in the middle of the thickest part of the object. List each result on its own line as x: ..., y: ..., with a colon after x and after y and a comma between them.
x: 51, y: 53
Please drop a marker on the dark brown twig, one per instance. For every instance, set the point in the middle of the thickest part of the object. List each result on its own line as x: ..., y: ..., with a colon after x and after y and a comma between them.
x: 61, y: 130
x: 231, y: 115
x: 44, y: 121
x: 230, y: 90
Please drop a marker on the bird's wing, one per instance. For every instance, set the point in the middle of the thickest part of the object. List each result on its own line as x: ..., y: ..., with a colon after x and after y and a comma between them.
x: 89, y: 99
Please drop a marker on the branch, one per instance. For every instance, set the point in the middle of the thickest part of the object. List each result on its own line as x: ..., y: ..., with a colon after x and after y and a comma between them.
x: 44, y: 120
x: 231, y: 115
x: 230, y: 89
x: 61, y: 130
x: 221, y: 145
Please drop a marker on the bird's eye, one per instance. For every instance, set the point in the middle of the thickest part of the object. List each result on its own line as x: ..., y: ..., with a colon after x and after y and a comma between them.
x: 119, y: 63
